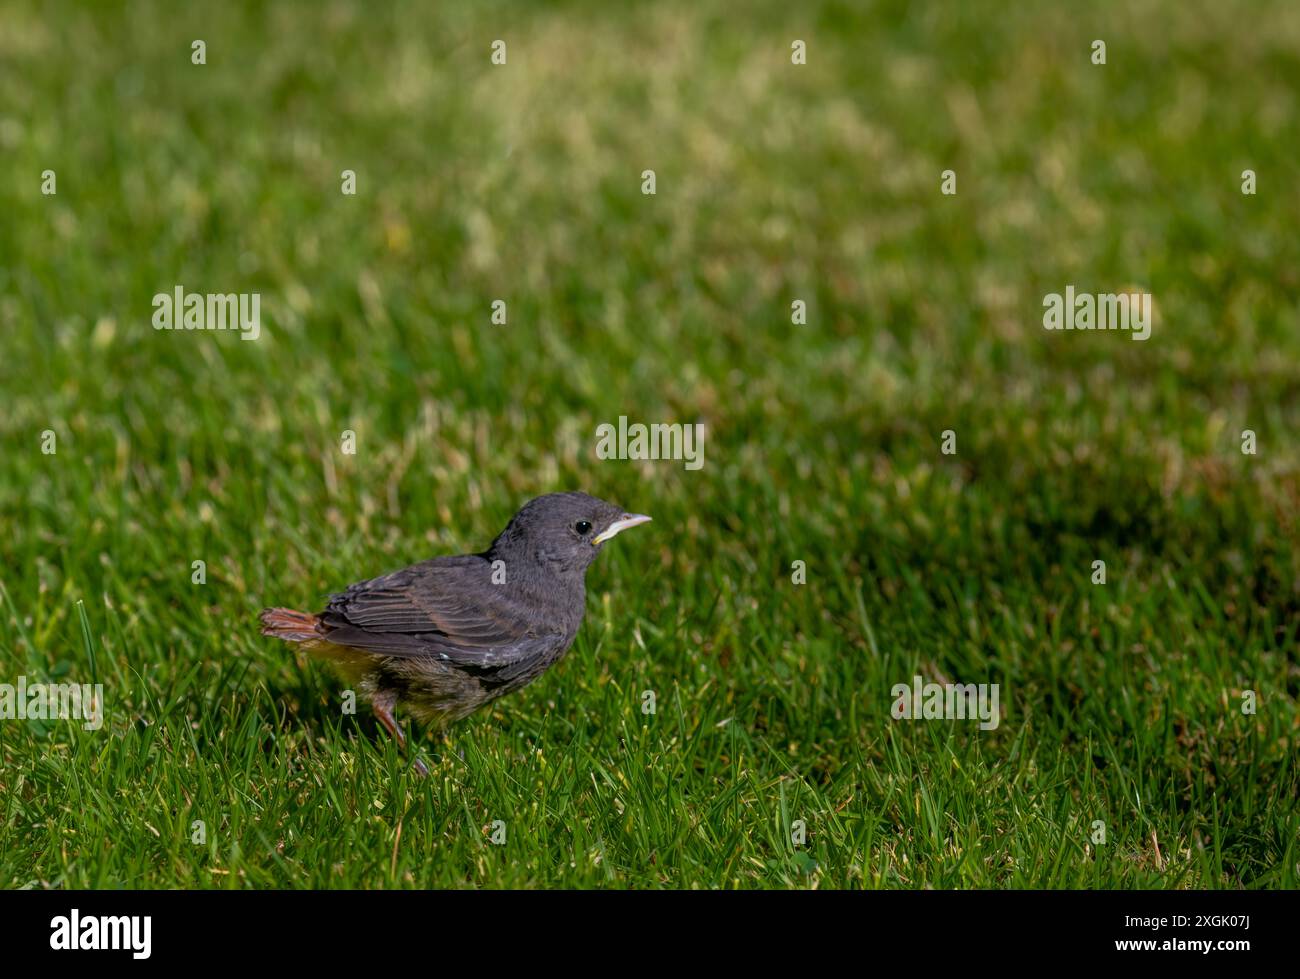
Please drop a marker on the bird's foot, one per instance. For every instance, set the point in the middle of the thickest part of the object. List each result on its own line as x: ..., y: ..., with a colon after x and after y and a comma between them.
x: 383, y: 707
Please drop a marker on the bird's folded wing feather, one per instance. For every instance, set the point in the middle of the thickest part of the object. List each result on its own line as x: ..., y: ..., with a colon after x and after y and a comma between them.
x: 447, y: 611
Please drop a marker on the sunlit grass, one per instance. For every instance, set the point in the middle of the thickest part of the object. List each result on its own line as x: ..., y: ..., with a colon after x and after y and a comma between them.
x: 775, y: 182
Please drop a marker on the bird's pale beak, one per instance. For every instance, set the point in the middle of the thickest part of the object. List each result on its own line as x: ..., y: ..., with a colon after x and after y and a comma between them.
x: 621, y: 524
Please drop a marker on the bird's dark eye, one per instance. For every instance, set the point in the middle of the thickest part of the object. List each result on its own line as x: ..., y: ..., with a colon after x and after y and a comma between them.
x: 583, y: 527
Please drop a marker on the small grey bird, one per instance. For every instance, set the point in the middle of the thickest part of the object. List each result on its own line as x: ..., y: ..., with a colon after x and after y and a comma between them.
x: 446, y: 636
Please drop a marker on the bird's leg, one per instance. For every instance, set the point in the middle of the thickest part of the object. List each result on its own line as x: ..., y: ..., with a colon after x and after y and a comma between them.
x: 382, y: 705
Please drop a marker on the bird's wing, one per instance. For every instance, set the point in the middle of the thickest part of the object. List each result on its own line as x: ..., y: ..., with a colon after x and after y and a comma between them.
x: 446, y: 609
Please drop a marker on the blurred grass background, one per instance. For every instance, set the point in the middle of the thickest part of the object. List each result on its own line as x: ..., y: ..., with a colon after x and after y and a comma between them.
x: 775, y: 182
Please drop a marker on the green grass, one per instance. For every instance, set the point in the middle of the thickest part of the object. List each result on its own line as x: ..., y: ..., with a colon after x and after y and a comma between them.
x: 775, y: 182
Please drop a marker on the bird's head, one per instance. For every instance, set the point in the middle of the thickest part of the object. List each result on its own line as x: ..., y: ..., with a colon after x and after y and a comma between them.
x: 562, y: 532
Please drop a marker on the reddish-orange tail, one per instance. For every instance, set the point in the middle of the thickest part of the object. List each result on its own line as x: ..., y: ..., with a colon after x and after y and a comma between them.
x: 289, y: 625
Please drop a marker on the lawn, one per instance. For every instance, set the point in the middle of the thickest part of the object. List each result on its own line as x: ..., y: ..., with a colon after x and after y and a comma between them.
x: 1126, y: 753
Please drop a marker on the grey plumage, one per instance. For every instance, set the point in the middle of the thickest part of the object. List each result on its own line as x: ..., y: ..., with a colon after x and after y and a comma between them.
x: 444, y: 637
